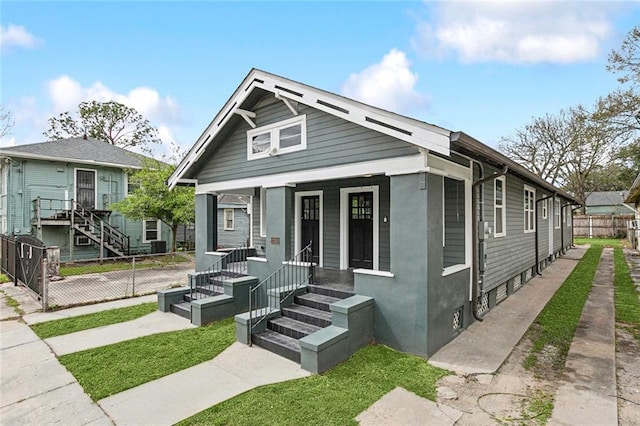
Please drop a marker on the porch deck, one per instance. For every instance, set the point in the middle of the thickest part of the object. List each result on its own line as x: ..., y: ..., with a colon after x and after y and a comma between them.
x: 334, y: 279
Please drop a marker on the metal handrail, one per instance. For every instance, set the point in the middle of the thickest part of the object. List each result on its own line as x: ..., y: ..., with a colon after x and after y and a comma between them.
x: 267, y: 296
x: 114, y: 237
x: 208, y: 282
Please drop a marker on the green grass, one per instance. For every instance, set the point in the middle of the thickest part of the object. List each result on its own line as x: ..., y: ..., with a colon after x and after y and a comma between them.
x: 335, y: 397
x: 48, y: 329
x: 12, y: 303
x: 114, y: 368
x: 603, y: 242
x: 627, y: 300
x: 4, y: 279
x: 110, y: 266
x: 556, y: 324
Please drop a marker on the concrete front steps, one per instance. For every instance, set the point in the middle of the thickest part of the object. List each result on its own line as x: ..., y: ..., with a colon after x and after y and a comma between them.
x: 315, y: 329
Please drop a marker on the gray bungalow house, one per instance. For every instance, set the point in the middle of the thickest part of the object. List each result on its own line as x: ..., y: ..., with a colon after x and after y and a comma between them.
x: 608, y: 203
x: 61, y: 192
x: 411, y: 231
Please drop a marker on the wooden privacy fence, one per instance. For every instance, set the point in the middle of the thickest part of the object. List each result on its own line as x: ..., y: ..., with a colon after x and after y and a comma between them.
x: 601, y: 226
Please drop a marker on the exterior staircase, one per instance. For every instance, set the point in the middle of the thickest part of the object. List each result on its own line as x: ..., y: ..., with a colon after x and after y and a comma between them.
x: 97, y: 231
x: 309, y: 313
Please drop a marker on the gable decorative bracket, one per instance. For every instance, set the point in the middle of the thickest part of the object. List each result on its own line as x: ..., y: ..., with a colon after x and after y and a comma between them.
x: 247, y: 115
x: 286, y: 102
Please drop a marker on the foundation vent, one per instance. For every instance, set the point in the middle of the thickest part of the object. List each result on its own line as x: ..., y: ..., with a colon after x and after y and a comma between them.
x: 501, y: 292
x: 517, y: 282
x: 457, y: 319
x: 483, y: 303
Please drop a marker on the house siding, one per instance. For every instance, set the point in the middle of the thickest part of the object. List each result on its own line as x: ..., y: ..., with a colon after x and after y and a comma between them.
x: 331, y: 141
x: 239, y: 236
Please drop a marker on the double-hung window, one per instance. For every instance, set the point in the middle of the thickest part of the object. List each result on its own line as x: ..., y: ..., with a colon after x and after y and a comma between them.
x: 529, y: 209
x: 545, y: 213
x: 278, y: 138
x: 228, y: 220
x: 556, y: 213
x: 150, y: 230
x: 500, y: 213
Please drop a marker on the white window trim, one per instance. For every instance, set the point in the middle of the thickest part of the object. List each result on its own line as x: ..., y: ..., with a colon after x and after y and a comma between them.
x: 526, y: 209
x: 467, y: 224
x: 503, y: 207
x: 4, y: 170
x: 344, y: 224
x: 274, y: 130
x: 233, y: 219
x: 544, y: 209
x: 263, y: 212
x: 95, y: 184
x: 298, y: 224
x: 556, y: 212
x: 568, y: 217
x: 144, y: 230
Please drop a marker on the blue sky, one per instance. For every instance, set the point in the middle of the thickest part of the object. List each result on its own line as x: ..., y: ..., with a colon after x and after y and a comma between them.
x: 485, y: 68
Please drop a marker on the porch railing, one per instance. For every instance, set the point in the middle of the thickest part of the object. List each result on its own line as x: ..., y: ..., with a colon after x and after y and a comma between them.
x: 267, y: 296
x: 209, y: 282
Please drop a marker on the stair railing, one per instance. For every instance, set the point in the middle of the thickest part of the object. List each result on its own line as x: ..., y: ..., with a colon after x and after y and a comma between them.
x: 110, y: 236
x: 280, y: 285
x: 231, y: 265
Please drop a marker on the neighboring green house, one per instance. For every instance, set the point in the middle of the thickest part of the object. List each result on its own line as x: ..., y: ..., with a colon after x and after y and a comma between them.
x: 233, y: 221
x: 416, y: 231
x: 61, y: 192
x: 611, y: 203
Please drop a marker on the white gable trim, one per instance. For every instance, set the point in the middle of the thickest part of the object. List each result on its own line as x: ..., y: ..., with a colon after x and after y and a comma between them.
x: 409, y: 130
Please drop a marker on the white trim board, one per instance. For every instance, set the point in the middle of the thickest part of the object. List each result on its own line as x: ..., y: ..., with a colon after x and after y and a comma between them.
x: 298, y: 222
x: 389, y: 167
x: 344, y: 224
x: 95, y: 185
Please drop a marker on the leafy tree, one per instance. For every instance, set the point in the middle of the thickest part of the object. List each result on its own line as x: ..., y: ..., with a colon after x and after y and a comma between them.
x: 6, y: 121
x: 111, y: 122
x: 152, y: 199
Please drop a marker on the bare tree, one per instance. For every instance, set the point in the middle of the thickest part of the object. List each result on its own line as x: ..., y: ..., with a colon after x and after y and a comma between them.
x: 6, y: 121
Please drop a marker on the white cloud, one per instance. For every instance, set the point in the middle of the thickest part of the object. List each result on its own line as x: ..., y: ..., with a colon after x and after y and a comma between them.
x: 515, y: 31
x: 66, y: 94
x: 388, y: 84
x: 16, y: 36
x: 7, y: 141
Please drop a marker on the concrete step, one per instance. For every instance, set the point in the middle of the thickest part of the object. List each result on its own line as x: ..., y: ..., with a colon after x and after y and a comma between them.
x: 291, y: 327
x: 316, y: 301
x: 328, y: 290
x: 277, y: 343
x: 306, y: 314
x: 183, y: 309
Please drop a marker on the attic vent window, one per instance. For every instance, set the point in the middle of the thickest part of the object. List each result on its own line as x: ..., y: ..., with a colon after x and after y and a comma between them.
x: 328, y: 105
x: 388, y: 126
x: 279, y: 138
x: 293, y: 92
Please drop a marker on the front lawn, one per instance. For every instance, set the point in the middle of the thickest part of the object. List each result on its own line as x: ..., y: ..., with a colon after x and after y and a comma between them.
x: 333, y: 398
x: 53, y: 328
x: 111, y: 369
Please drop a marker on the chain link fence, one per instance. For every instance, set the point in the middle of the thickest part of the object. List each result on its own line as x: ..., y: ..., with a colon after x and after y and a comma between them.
x: 91, y: 281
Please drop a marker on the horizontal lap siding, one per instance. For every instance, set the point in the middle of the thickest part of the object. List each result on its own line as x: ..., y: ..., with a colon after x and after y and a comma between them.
x: 331, y: 141
x: 515, y: 252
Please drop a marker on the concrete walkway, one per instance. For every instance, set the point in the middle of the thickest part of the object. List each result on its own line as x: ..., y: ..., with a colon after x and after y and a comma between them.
x: 588, y: 389
x: 484, y: 346
x: 35, y: 388
x: 180, y: 395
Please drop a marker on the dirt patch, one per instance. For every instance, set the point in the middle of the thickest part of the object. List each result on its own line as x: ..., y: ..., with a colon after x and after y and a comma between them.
x: 628, y: 372
x: 512, y: 396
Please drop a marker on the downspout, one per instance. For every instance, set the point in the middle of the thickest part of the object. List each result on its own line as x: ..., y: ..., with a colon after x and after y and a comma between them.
x: 537, y: 238
x: 474, y: 232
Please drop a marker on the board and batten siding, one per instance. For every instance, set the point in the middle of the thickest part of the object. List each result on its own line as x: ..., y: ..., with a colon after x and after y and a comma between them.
x: 331, y: 141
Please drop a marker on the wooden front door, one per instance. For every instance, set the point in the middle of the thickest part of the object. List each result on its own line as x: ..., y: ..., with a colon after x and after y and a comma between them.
x: 361, y: 230
x: 311, y: 225
x: 86, y: 188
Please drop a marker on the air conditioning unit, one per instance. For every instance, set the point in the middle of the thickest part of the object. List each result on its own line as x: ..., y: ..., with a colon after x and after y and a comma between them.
x: 82, y: 240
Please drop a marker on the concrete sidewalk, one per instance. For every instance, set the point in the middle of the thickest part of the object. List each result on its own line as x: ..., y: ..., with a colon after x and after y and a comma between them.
x: 484, y: 346
x: 180, y: 395
x: 588, y: 390
x: 35, y: 388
